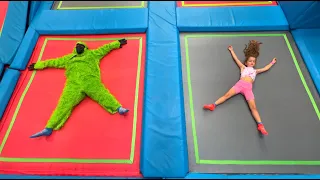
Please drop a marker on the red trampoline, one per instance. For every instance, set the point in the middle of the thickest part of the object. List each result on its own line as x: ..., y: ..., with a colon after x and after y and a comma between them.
x: 3, y: 11
x: 92, y: 142
x: 224, y: 3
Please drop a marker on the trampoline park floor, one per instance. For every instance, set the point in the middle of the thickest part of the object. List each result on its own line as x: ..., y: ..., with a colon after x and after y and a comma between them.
x: 224, y: 3
x: 92, y: 142
x: 227, y: 140
x: 3, y: 11
x: 69, y: 5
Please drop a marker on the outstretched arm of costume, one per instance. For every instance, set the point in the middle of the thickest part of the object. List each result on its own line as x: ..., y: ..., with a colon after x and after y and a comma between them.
x: 53, y: 63
x: 105, y: 49
x: 267, y: 67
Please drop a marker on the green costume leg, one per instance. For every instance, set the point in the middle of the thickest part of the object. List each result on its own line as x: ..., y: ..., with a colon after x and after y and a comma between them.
x: 100, y: 94
x: 71, y: 96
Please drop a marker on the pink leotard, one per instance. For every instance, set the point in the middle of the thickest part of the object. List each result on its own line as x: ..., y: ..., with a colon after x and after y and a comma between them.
x: 249, y: 71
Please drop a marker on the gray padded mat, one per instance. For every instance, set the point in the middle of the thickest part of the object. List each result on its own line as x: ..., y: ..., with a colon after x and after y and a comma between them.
x: 230, y: 132
x: 97, y: 4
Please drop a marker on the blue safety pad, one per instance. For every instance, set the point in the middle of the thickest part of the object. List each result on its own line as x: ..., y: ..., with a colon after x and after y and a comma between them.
x: 45, y: 5
x: 34, y: 6
x: 7, y: 86
x: 238, y: 18
x: 308, y: 41
x: 105, y: 21
x: 301, y: 14
x: 13, y: 30
x: 224, y: 176
x: 164, y: 145
x: 25, y: 51
x: 1, y: 69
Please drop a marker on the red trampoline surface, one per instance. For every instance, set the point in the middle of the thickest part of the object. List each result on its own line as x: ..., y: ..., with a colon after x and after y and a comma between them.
x: 3, y: 11
x: 92, y: 142
x: 224, y: 3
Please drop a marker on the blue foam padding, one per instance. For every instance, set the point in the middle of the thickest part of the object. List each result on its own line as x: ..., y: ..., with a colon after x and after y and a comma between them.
x: 105, y: 21
x: 302, y: 14
x: 308, y: 41
x: 45, y: 5
x: 164, y: 145
x: 13, y: 30
x: 25, y: 51
x: 293, y: 9
x: 223, y: 176
x: 34, y: 6
x: 241, y: 18
x: 38, y: 7
x: 7, y: 86
x: 1, y: 69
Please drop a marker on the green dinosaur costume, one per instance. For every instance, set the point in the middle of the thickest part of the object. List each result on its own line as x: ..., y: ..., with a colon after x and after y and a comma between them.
x: 82, y: 79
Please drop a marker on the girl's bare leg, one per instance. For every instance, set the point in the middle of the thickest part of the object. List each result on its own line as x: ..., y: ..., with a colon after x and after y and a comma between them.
x: 256, y: 116
x: 221, y: 100
x: 226, y: 96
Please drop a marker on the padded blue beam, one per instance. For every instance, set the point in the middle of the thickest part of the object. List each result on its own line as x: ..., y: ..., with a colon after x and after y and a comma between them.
x: 38, y: 6
x: 240, y: 18
x: 307, y: 41
x: 164, y: 145
x: 13, y: 30
x: 25, y: 51
x: 45, y: 5
x: 7, y: 85
x: 34, y: 6
x: 105, y: 21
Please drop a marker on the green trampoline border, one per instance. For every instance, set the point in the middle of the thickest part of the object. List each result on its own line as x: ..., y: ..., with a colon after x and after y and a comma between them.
x: 142, y: 5
x: 78, y: 160
x: 1, y: 28
x: 194, y: 132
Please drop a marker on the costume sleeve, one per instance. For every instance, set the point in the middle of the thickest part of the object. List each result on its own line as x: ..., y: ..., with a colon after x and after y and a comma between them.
x: 53, y: 63
x: 105, y: 49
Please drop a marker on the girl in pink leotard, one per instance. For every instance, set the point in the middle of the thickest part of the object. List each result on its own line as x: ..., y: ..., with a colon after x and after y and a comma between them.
x: 244, y: 85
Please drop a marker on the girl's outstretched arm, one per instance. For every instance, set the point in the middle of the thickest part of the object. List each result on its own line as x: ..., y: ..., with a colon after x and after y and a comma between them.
x: 267, y: 67
x: 235, y: 58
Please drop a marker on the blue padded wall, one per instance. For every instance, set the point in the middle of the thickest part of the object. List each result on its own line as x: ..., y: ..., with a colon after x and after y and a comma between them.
x: 34, y: 6
x: 92, y: 21
x: 301, y: 14
x: 13, y: 30
x: 7, y: 86
x: 308, y: 41
x: 242, y: 18
x: 25, y: 51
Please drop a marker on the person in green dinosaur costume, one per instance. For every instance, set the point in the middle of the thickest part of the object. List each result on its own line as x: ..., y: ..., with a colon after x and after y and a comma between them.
x: 82, y: 79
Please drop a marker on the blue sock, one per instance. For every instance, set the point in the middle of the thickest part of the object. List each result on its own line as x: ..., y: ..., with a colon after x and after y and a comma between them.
x: 122, y: 110
x: 214, y: 104
x: 259, y: 123
x: 45, y: 132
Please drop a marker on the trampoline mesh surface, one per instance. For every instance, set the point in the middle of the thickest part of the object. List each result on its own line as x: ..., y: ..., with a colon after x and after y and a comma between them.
x: 227, y: 140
